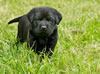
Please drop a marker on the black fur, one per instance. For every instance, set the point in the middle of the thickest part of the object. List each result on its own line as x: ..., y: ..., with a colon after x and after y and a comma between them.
x: 39, y: 28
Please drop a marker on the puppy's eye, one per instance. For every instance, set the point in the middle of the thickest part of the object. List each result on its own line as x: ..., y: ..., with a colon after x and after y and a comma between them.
x: 38, y: 19
x: 49, y: 19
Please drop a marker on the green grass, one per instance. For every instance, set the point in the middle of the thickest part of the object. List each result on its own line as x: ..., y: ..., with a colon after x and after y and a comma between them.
x: 75, y: 53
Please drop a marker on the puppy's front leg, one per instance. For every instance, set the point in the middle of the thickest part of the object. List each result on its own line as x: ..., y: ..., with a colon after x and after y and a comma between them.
x: 30, y: 39
x: 52, y: 43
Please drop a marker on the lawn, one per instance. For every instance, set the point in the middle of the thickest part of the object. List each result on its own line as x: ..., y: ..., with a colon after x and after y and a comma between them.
x: 78, y: 47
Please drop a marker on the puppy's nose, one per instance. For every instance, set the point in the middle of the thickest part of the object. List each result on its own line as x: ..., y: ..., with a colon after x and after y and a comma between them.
x: 43, y: 27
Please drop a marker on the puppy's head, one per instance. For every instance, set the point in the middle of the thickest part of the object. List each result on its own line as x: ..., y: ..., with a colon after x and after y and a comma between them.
x: 44, y: 20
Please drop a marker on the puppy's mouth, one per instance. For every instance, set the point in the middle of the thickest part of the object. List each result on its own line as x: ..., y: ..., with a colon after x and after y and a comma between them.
x: 43, y: 34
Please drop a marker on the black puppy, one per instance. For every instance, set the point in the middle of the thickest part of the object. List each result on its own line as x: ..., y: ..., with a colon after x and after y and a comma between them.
x: 39, y: 28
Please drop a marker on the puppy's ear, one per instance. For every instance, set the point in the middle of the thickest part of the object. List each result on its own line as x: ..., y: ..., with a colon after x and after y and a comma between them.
x: 30, y: 15
x: 58, y: 17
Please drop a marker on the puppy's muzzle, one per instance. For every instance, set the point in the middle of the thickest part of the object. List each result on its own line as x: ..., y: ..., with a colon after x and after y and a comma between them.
x: 43, y: 28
